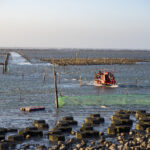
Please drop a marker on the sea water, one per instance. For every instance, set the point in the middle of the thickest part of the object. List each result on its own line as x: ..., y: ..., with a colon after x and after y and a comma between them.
x: 79, y: 100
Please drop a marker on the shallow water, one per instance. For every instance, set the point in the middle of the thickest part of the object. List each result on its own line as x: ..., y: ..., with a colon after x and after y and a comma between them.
x: 133, y: 91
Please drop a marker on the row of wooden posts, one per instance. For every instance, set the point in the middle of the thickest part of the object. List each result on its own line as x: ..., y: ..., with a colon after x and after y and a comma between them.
x: 5, y: 64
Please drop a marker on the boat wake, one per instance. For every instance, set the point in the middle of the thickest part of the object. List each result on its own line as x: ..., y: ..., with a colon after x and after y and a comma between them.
x: 86, y: 83
x: 91, y: 83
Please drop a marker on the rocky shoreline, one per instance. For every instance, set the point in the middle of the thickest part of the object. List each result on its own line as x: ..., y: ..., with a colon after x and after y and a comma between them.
x: 68, y: 135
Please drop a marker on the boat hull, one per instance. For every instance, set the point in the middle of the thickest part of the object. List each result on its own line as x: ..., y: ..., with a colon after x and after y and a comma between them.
x: 107, y: 85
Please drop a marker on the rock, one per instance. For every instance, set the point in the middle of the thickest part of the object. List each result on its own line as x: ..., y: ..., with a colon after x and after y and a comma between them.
x: 56, y: 138
x: 140, y: 114
x: 148, y: 146
x: 86, y: 125
x: 107, y: 143
x: 120, y: 147
x: 71, y: 141
x: 54, y: 147
x: 118, y: 117
x: 31, y: 128
x: 78, y: 146
x: 34, y: 133
x: 15, y: 138
x: 126, y: 146
x: 143, y: 145
x: 67, y: 118
x: 94, y: 115
x: 60, y: 142
x: 102, y: 139
x: 62, y: 123
x: 111, y: 131
x: 72, y: 122
x: 12, y: 130
x: 94, y: 121
x: 122, y: 128
x: 41, y: 125
x: 3, y: 131
x: 55, y: 132
x: 27, y: 146
x: 92, y: 143
x: 4, y: 146
x: 2, y: 137
x: 62, y: 147
x: 38, y: 121
x: 141, y: 127
x: 73, y: 132
x: 86, y: 128
x: 66, y: 129
x: 30, y: 133
x: 41, y: 147
x: 87, y: 134
x: 113, y: 147
x: 27, y: 136
x: 126, y: 122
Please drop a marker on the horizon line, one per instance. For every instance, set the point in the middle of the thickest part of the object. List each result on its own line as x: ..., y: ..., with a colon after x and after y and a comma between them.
x: 67, y: 48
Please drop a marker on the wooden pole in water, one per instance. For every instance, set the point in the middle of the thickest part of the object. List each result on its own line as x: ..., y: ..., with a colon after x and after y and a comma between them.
x: 19, y: 93
x: 3, y: 69
x: 6, y: 63
x: 55, y: 86
x: 44, y: 76
x: 80, y: 80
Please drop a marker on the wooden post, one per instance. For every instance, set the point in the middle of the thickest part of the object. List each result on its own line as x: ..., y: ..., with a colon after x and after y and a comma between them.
x: 22, y: 75
x: 6, y: 62
x: 3, y: 69
x: 76, y: 58
x: 59, y: 78
x: 44, y: 76
x: 55, y: 86
x: 80, y: 80
x: 19, y: 93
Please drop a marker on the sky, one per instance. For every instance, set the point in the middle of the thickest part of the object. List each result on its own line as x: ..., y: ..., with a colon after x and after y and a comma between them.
x: 98, y: 24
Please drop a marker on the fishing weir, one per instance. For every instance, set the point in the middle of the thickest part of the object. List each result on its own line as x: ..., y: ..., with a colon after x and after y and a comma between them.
x: 92, y: 61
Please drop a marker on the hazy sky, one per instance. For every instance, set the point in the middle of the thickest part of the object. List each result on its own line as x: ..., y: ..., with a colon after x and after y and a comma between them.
x: 75, y: 23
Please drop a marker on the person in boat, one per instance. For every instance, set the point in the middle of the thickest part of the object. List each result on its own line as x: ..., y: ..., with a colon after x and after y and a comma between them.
x: 97, y: 76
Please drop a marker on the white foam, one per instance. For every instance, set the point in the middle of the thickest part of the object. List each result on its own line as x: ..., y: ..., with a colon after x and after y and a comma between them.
x: 17, y: 59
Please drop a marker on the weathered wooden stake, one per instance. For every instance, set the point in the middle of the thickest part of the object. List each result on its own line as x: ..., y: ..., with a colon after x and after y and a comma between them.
x: 55, y: 86
x: 3, y: 69
x: 80, y: 80
x: 59, y: 78
x: 6, y: 63
x: 77, y: 76
x: 22, y: 75
x: 19, y: 93
x: 44, y: 76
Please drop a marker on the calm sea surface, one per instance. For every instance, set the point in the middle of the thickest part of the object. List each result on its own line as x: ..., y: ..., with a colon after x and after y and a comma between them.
x: 24, y: 85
